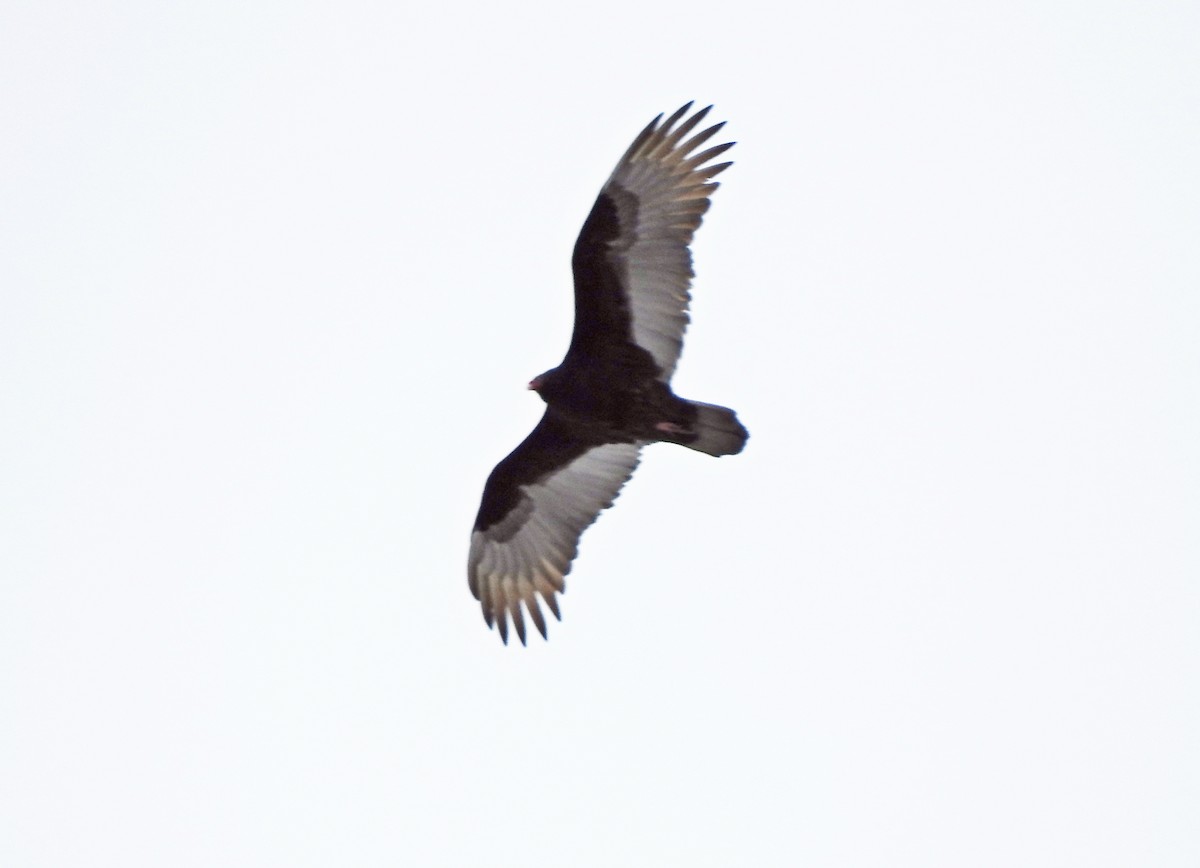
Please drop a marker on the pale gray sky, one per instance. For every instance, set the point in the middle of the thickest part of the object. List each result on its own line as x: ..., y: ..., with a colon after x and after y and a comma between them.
x: 273, y: 278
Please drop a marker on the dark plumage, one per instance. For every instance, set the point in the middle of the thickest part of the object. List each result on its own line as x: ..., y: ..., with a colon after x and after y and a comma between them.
x: 611, y: 395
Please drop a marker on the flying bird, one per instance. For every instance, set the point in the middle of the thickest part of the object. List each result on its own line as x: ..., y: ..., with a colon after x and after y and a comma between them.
x: 611, y: 395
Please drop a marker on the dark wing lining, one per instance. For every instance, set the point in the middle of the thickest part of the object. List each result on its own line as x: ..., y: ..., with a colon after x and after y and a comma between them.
x: 631, y: 262
x: 536, y: 505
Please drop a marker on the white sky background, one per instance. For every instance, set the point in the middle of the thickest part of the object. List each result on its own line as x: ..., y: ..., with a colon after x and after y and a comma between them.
x: 272, y: 280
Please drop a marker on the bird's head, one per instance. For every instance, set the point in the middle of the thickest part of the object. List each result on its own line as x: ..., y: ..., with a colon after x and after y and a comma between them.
x: 541, y: 381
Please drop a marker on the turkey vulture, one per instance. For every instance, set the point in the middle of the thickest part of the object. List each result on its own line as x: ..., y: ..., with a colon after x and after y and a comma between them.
x: 611, y: 395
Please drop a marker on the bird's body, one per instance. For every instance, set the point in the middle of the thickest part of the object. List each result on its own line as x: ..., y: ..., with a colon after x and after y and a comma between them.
x: 611, y: 394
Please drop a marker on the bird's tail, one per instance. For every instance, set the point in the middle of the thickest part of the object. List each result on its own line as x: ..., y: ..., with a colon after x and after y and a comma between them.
x: 718, y: 431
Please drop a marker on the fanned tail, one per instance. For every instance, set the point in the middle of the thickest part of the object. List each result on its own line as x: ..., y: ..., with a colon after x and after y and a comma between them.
x: 718, y: 431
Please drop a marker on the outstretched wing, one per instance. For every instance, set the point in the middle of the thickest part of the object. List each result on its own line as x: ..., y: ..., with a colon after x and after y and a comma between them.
x: 631, y: 263
x: 536, y: 504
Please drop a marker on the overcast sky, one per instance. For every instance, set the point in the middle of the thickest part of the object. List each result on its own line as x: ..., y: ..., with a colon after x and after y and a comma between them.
x: 273, y: 278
